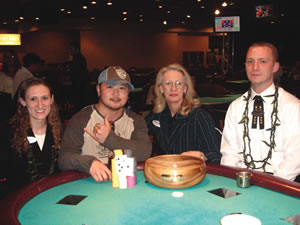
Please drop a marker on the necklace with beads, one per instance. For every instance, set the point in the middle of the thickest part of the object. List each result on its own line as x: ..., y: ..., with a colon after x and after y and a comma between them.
x: 275, y: 122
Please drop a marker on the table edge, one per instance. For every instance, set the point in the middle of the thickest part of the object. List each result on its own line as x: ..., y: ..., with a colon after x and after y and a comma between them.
x: 11, y: 206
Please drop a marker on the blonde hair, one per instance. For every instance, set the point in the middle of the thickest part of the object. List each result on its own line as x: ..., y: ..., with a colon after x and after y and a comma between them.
x: 190, y: 99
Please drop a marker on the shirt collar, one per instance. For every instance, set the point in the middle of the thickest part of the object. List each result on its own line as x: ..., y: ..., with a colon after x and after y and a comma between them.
x: 269, y: 91
x: 166, y: 112
x: 98, y: 112
x: 26, y: 70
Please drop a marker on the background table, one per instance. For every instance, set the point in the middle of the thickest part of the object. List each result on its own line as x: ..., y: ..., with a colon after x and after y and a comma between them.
x: 148, y: 204
x: 219, y: 100
x: 239, y: 86
x: 237, y: 81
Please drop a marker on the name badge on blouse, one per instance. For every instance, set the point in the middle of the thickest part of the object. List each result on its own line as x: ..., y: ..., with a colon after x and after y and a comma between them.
x: 31, y: 140
x: 156, y: 123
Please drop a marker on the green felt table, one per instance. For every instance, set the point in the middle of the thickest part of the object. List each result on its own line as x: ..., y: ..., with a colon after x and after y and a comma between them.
x: 237, y: 81
x: 149, y: 204
x: 219, y: 100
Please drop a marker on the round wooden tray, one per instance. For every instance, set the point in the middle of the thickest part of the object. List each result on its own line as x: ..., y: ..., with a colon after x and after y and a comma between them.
x: 174, y: 171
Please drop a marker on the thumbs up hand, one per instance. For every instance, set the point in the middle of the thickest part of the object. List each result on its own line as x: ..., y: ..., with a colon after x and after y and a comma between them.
x: 100, y: 131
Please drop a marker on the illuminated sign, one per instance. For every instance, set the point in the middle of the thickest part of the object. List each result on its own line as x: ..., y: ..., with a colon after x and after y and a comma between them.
x: 10, y: 39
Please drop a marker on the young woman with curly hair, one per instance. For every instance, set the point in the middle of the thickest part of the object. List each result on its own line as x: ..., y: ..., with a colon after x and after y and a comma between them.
x: 177, y: 123
x: 34, y: 134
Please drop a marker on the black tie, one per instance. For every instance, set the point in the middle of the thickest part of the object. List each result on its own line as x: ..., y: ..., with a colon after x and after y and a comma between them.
x: 258, y: 112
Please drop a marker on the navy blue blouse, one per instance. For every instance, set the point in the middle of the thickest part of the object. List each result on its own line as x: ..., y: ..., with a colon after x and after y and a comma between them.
x: 178, y: 134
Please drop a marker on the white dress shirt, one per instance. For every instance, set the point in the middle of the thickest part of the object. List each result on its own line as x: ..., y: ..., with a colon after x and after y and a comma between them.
x: 285, y: 161
x: 6, y: 83
x: 21, y: 74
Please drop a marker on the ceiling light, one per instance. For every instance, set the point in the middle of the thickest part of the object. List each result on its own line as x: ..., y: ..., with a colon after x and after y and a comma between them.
x: 202, y: 7
x: 84, y: 7
x: 62, y: 10
x: 141, y: 15
x: 69, y: 12
x: 188, y: 16
x: 199, y: 0
x: 217, y: 12
x: 21, y: 18
x: 124, y: 13
x: 109, y: 2
x: 168, y: 11
x: 224, y: 4
x: 37, y: 18
x: 141, y: 20
x: 165, y: 22
x: 125, y: 19
x: 92, y: 18
x: 4, y: 22
x: 17, y: 21
x: 160, y: 6
x: 93, y: 2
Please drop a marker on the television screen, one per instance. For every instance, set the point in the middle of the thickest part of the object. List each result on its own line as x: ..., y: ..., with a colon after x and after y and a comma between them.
x: 227, y: 24
x: 263, y: 11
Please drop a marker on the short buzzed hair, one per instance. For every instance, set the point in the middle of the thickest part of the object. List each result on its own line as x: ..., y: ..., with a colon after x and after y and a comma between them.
x: 268, y: 45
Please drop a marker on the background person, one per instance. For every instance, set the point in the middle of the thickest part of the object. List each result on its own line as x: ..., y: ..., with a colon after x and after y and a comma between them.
x: 93, y: 133
x: 268, y: 141
x: 11, y: 64
x: 177, y: 123
x: 31, y: 65
x: 31, y: 140
x: 79, y: 77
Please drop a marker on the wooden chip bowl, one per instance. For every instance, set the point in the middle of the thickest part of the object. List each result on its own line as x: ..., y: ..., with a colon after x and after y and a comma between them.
x: 174, y: 171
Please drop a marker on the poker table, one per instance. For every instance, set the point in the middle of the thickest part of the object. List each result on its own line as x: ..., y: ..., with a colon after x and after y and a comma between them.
x: 269, y: 198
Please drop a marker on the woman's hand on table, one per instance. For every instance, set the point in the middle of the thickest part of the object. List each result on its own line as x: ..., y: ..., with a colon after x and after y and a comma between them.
x: 197, y: 154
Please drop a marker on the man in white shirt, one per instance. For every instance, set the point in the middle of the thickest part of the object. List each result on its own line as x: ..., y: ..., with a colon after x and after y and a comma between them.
x: 32, y: 64
x: 263, y: 133
x: 6, y: 83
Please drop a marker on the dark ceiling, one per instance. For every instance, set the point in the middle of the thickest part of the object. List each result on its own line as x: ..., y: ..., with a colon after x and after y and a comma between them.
x: 175, y: 12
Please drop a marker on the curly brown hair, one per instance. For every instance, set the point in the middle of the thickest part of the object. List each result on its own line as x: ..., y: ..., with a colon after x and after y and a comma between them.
x: 21, y: 120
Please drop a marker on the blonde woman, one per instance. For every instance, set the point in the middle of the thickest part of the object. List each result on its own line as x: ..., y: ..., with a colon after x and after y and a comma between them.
x: 177, y: 123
